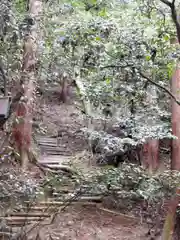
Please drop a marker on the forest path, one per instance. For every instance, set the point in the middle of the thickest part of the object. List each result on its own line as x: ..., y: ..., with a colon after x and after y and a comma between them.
x: 82, y: 220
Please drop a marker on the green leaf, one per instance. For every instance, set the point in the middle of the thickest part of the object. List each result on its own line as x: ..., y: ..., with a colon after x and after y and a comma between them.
x: 108, y: 80
x: 103, y: 13
x: 170, y: 68
x: 166, y: 37
x: 93, y: 2
x: 98, y: 38
x: 148, y: 58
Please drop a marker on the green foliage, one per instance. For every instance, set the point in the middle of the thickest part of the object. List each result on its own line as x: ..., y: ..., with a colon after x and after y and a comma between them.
x: 20, y: 5
x: 107, y: 45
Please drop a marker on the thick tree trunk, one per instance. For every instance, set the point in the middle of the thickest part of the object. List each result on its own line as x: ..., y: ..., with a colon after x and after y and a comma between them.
x: 22, y: 131
x: 175, y: 120
x: 152, y: 145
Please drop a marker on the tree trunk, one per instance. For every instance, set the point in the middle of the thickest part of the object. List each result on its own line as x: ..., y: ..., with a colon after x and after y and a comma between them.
x: 175, y: 116
x: 175, y: 120
x: 22, y: 131
x: 152, y: 145
x: 153, y: 154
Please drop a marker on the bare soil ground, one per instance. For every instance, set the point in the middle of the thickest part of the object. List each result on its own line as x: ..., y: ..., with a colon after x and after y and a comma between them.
x: 80, y: 223
x: 91, y: 224
x: 64, y: 120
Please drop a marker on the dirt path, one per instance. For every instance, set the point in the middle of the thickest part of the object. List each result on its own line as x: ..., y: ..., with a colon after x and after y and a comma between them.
x: 82, y: 223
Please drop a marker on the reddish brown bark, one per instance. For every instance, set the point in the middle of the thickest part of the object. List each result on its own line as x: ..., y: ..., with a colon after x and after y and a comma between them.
x: 22, y: 130
x: 175, y: 120
x: 151, y: 148
x: 153, y: 154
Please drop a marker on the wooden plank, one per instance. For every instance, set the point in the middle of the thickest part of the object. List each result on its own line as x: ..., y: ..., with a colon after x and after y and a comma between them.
x: 46, y: 162
x: 53, y: 148
x: 56, y: 166
x: 28, y: 214
x: 6, y: 235
x: 46, y: 140
x: 22, y: 219
x: 55, y: 157
x: 53, y: 203
x: 82, y: 199
x: 20, y: 224
x: 63, y: 153
x: 48, y: 144
x: 40, y: 208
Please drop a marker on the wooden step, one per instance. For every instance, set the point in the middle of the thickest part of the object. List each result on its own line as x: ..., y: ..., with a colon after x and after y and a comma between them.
x: 40, y: 208
x: 56, y: 151
x: 6, y: 235
x: 19, y: 224
x: 80, y: 199
x: 52, y: 204
x: 46, y: 139
x: 53, y: 144
x: 54, y: 159
x: 61, y: 192
x: 23, y: 218
x: 57, y: 166
x: 28, y: 214
x: 55, y: 147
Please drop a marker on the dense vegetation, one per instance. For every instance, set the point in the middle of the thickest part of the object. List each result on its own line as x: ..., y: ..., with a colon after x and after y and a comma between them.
x: 123, y: 58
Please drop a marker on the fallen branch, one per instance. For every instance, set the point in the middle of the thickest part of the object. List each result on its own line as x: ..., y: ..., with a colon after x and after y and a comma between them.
x: 124, y: 216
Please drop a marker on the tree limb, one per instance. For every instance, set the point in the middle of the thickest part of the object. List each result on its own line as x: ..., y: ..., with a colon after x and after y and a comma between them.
x: 148, y: 79
x: 161, y: 87
x: 173, y: 15
x: 166, y: 2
